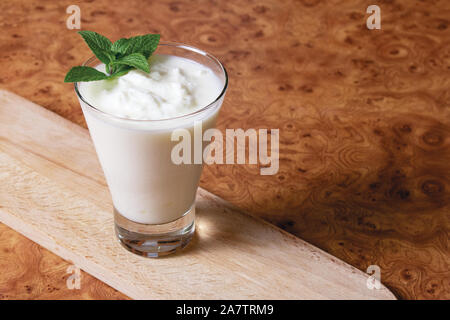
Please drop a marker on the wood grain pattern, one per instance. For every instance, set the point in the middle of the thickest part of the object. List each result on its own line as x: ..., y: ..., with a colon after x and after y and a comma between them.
x: 364, y: 116
x: 53, y: 192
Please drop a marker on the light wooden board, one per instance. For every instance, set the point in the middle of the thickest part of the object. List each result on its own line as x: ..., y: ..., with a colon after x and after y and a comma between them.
x: 52, y: 190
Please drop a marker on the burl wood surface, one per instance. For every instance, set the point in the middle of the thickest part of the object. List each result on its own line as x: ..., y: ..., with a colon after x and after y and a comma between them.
x: 364, y: 119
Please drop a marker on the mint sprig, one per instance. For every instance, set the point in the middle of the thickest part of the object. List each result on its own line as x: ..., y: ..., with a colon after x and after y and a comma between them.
x: 119, y: 57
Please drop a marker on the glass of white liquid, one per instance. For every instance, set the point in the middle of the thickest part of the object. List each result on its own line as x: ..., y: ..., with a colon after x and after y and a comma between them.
x: 131, y: 120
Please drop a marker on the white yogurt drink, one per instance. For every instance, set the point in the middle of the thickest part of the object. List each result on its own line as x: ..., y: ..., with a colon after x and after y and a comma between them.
x: 131, y: 120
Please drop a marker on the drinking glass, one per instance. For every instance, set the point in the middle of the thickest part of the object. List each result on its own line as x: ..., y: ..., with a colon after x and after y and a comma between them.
x: 153, y: 198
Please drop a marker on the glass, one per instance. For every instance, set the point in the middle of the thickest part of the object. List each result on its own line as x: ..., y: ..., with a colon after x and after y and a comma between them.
x: 153, y: 198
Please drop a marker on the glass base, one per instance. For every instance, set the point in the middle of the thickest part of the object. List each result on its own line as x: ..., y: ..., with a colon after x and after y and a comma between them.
x: 155, y: 240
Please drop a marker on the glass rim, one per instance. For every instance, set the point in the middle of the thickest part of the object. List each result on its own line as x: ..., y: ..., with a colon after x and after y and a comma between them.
x: 167, y: 44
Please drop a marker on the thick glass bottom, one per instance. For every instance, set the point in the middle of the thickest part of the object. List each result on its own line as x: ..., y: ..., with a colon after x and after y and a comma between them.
x: 155, y: 240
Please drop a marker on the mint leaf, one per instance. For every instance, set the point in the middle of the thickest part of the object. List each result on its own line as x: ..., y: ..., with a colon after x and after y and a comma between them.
x: 118, y: 74
x: 145, y: 44
x: 100, y: 45
x: 149, y: 43
x: 120, y: 70
x: 136, y: 60
x: 82, y: 73
x: 121, y: 46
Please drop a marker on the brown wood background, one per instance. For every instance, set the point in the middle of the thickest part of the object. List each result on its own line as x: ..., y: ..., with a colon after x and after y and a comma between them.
x: 364, y: 119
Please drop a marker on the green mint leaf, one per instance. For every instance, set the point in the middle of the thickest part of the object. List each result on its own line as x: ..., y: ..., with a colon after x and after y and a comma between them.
x: 120, y: 70
x: 122, y: 67
x: 82, y: 73
x: 145, y: 44
x: 137, y: 60
x: 121, y: 46
x: 149, y: 43
x: 100, y: 45
x: 118, y: 74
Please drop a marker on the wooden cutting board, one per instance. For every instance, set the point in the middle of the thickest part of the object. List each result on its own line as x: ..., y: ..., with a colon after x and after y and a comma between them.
x: 52, y: 190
